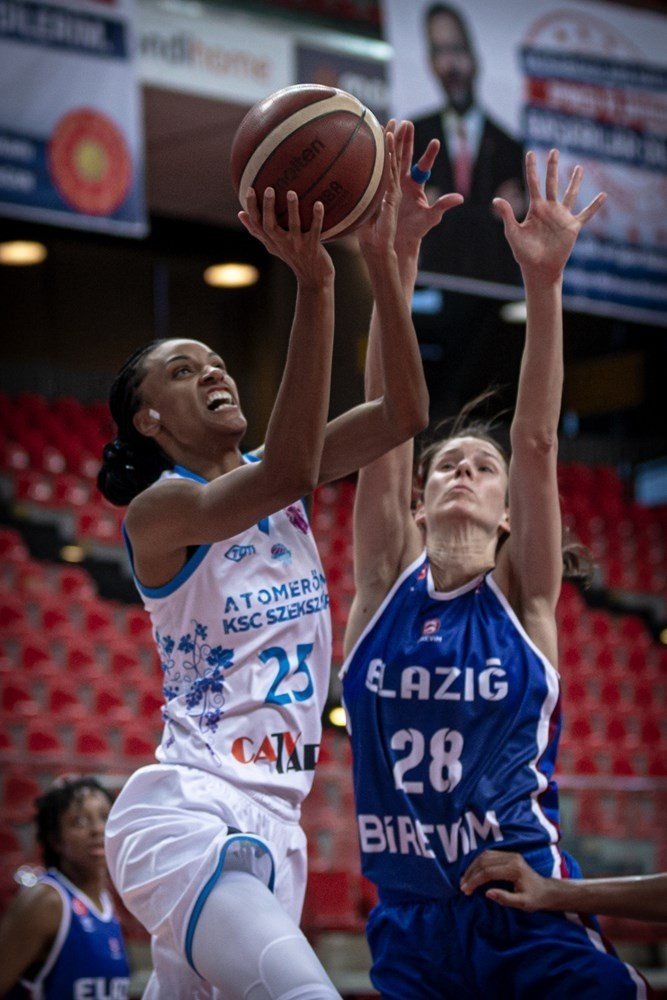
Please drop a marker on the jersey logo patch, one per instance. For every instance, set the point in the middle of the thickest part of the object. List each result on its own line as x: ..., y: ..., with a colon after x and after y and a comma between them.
x: 296, y: 519
x: 430, y: 626
x: 239, y: 552
x: 79, y: 908
x: 281, y: 553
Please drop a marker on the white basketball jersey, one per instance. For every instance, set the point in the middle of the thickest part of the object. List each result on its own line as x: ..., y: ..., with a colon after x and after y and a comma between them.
x: 244, y: 637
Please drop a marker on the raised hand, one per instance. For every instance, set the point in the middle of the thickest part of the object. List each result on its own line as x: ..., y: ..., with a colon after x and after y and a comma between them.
x: 416, y: 216
x: 302, y: 252
x: 542, y: 243
x: 378, y: 232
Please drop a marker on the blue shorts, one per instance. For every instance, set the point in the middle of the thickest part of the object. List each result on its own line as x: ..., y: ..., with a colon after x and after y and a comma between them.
x: 468, y: 946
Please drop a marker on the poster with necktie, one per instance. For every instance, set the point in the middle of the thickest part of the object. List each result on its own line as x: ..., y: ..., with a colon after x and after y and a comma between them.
x: 587, y: 78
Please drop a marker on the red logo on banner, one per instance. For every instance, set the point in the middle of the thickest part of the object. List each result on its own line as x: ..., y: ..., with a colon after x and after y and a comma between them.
x: 89, y: 162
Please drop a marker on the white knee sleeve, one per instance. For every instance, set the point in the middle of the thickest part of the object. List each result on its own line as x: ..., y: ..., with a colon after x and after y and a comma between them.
x: 246, y: 945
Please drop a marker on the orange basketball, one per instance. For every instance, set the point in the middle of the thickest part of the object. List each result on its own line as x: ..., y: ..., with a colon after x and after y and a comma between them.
x: 320, y: 142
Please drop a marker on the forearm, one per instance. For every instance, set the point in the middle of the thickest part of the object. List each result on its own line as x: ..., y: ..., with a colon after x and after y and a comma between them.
x: 541, y: 377
x: 295, y: 434
x: 394, y: 368
x: 640, y: 898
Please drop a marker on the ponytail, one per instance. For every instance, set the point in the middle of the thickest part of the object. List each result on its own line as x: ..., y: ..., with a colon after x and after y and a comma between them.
x: 131, y: 462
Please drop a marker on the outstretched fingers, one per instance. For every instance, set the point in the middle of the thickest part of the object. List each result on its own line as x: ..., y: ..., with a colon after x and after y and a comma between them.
x: 503, y: 208
x: 445, y: 202
x: 591, y: 209
x: 572, y: 189
x: 269, y: 210
x: 532, y: 180
x: 315, y: 231
x: 551, y: 184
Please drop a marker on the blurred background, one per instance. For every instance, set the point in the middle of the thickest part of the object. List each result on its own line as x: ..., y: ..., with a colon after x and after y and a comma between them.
x: 118, y: 224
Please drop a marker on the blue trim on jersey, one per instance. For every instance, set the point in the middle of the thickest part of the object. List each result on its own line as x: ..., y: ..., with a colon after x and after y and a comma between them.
x: 87, y: 951
x: 263, y: 523
x: 184, y: 573
x: 188, y: 474
x: 210, y: 885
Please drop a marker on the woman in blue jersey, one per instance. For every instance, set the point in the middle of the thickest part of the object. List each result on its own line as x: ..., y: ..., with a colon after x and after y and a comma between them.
x: 450, y: 681
x: 205, y: 847
x: 60, y: 939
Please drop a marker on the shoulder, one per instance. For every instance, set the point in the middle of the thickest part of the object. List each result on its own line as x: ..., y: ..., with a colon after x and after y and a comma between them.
x: 37, y: 910
x: 158, y: 498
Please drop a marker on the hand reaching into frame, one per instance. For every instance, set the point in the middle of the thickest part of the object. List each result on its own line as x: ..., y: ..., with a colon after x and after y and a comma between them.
x: 530, y: 891
x: 416, y: 216
x: 377, y: 233
x: 542, y: 243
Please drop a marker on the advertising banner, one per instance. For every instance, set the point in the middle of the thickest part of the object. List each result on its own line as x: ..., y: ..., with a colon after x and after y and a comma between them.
x: 215, y: 54
x: 71, y: 150
x: 589, y: 78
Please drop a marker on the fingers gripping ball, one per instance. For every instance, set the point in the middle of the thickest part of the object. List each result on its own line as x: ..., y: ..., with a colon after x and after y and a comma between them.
x: 320, y: 142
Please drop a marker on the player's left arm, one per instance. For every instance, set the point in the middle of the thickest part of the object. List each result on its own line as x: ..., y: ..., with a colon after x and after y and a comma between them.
x: 397, y: 396
x: 530, y: 564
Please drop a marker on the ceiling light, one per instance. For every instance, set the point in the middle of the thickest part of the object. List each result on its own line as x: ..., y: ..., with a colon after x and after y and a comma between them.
x: 19, y: 253
x: 337, y: 716
x: 231, y: 275
x: 514, y: 312
x: 72, y: 554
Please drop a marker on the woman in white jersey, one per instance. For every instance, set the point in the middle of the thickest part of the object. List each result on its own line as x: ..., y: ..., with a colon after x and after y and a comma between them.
x: 206, y: 847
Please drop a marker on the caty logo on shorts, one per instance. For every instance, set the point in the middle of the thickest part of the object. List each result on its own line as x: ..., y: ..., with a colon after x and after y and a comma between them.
x: 279, y: 750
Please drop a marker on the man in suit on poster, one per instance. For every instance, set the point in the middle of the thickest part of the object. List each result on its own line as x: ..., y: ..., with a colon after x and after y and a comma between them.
x: 477, y: 159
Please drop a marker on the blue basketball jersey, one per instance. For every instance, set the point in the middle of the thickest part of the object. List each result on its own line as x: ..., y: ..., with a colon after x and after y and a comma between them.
x: 87, y: 960
x: 454, y: 718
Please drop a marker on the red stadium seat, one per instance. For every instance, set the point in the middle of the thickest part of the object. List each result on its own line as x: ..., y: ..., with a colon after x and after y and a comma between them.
x: 64, y: 701
x: 92, y: 746
x: 81, y: 658
x: 586, y: 763
x: 14, y: 692
x: 44, y: 744
x: 12, y: 612
x: 124, y: 659
x: 332, y: 902
x: 35, y: 655
x: 138, y: 624
x: 19, y: 793
x: 138, y: 746
x: 650, y: 733
x: 110, y: 706
x: 151, y: 705
x: 657, y: 766
x: 75, y: 582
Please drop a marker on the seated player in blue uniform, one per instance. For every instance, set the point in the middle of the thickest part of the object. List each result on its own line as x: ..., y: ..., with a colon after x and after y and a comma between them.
x: 450, y: 681
x: 60, y: 939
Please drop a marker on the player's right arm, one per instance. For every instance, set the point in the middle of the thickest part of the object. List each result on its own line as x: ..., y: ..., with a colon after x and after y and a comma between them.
x: 27, y: 932
x: 174, y: 514
x: 386, y: 538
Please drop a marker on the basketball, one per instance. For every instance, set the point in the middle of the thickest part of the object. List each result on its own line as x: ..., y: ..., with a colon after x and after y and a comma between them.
x: 320, y: 142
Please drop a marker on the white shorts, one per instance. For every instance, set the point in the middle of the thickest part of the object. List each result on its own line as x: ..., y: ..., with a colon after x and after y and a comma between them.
x: 171, y: 833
